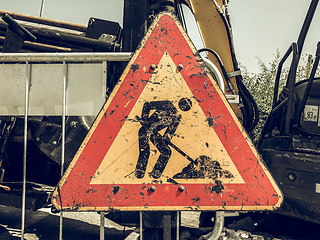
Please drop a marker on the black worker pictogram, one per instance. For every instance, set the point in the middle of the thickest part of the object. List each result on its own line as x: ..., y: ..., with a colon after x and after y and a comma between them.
x: 164, y: 115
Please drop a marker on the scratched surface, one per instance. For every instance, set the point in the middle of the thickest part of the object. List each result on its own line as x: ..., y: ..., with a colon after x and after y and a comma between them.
x: 167, y: 139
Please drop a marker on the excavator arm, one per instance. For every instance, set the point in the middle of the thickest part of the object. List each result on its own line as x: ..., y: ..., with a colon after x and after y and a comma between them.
x: 214, y: 26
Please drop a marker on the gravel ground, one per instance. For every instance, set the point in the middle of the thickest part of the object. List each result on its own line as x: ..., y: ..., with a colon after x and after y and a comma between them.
x: 44, y: 225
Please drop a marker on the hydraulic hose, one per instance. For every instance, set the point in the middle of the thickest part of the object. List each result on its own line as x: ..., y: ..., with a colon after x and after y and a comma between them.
x: 250, y: 105
x: 224, y: 72
x: 250, y: 109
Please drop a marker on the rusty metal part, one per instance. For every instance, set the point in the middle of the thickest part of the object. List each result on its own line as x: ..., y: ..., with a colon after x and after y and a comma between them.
x: 39, y: 47
x: 46, y: 21
x: 5, y: 187
x: 15, y: 35
x: 66, y: 39
x: 37, y: 195
x: 16, y: 27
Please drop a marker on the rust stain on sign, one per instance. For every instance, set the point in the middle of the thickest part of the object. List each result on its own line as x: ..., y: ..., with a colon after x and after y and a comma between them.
x: 167, y: 139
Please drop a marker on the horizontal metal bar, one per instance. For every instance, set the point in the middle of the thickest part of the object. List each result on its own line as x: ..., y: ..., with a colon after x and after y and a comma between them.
x: 86, y: 89
x: 46, y: 21
x: 39, y: 47
x: 68, y: 57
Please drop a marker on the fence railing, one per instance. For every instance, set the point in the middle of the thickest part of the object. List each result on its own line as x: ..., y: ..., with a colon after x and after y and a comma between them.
x: 55, y: 84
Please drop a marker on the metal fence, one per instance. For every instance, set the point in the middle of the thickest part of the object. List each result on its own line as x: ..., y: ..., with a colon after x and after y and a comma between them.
x: 55, y: 84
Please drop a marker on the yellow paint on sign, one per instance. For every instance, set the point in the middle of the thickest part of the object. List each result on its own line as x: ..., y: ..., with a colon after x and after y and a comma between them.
x: 193, y: 136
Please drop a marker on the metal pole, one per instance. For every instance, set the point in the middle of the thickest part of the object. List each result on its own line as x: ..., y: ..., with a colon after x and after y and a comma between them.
x: 64, y: 107
x: 42, y: 7
x: 23, y: 209
x: 46, y: 21
x: 309, y: 85
x: 217, y: 229
x: 178, y: 225
x: 60, y: 57
x: 101, y: 225
x: 104, y: 76
x: 306, y: 25
x: 141, y: 227
x: 167, y: 225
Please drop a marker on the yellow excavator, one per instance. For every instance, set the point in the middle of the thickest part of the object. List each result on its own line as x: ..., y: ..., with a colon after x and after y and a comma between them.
x: 289, y: 140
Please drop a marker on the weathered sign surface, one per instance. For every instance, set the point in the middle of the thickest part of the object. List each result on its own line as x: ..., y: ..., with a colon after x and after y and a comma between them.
x: 167, y: 139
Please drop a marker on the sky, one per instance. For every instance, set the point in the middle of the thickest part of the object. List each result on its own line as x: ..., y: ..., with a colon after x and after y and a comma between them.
x: 260, y: 27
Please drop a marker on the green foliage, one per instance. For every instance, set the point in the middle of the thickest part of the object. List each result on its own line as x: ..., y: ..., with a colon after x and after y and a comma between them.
x: 261, y: 85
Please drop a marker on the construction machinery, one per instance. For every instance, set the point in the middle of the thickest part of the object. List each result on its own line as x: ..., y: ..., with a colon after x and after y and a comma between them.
x: 288, y: 143
x: 289, y: 139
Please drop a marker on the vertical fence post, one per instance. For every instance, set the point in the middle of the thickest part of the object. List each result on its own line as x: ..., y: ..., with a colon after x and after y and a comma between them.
x: 104, y: 78
x: 63, y: 137
x: 178, y: 225
x: 167, y: 225
x: 141, y: 226
x: 104, y: 81
x: 101, y: 225
x: 25, y: 140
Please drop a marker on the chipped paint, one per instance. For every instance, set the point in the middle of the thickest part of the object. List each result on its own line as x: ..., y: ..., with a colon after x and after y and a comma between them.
x: 134, y: 67
x: 218, y: 188
x: 115, y: 190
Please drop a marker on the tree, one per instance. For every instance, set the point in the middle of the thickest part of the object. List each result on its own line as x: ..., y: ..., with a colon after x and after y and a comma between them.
x: 261, y: 84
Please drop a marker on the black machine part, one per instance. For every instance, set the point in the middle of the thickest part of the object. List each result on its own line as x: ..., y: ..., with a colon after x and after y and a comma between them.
x: 15, y: 36
x: 295, y: 164
x: 39, y: 38
x: 290, y: 140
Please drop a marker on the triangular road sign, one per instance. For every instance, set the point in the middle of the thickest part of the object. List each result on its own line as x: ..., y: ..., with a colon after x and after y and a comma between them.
x: 167, y: 139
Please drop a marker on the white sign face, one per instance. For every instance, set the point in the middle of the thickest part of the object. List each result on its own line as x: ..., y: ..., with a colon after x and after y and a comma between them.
x: 310, y: 113
x: 317, y: 187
